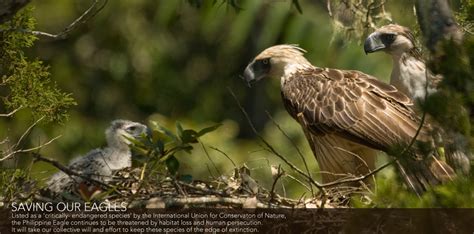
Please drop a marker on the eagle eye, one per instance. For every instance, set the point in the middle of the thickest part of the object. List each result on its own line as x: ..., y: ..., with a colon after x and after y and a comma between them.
x: 388, y: 38
x: 132, y: 128
x: 262, y: 66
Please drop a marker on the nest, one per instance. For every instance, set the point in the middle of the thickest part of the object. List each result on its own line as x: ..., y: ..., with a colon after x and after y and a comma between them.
x: 164, y: 191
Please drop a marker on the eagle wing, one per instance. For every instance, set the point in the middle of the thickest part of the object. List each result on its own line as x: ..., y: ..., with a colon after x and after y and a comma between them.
x: 353, y: 106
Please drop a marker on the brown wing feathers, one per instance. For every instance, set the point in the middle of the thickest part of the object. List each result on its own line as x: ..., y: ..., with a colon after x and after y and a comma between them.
x: 354, y: 106
x: 346, y: 115
x: 339, y: 106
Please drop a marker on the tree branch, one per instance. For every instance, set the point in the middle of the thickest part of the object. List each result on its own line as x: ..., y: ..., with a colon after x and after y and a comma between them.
x: 28, y: 150
x: 160, y: 202
x: 82, y: 19
x: 11, y: 112
x: 270, y: 147
x: 294, y: 145
x: 436, y: 22
x: 69, y: 171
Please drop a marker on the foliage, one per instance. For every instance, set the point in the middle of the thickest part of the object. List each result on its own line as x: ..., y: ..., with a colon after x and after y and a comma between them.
x: 453, y: 105
x: 15, y: 184
x: 27, y: 82
x: 391, y: 193
x: 160, y: 147
x: 356, y: 19
x: 465, y: 16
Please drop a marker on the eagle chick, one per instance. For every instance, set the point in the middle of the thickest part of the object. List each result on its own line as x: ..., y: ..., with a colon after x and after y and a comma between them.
x: 99, y: 164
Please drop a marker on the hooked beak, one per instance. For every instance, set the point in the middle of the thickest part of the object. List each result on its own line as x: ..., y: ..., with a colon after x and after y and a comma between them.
x: 249, y: 75
x: 373, y: 43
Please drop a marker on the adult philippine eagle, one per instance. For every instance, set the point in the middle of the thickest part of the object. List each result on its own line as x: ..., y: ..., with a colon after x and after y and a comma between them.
x: 410, y: 74
x: 348, y: 115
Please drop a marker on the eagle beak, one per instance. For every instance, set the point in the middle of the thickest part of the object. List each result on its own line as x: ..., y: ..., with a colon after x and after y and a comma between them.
x: 249, y: 75
x: 373, y: 43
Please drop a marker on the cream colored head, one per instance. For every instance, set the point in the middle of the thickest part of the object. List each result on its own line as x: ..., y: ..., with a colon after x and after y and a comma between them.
x: 393, y: 39
x: 276, y: 62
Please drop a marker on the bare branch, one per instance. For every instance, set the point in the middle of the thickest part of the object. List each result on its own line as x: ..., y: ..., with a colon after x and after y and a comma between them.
x: 14, y: 149
x: 209, y: 157
x: 161, y: 202
x: 82, y: 19
x: 27, y: 132
x: 12, y: 112
x: 69, y: 171
x: 223, y: 153
x: 294, y: 145
x: 300, y: 182
x: 279, y: 174
x: 28, y: 150
x: 270, y: 147
x: 358, y: 178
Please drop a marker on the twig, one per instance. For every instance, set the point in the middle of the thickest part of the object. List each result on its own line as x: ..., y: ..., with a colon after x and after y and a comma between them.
x: 209, y: 157
x: 210, y: 172
x: 300, y: 182
x: 270, y: 147
x: 359, y: 178
x: 28, y: 150
x: 294, y: 145
x: 204, y: 190
x: 178, y: 187
x: 356, y: 156
x: 86, y: 16
x: 174, y: 201
x: 69, y: 171
x: 27, y: 132
x: 12, y: 112
x: 328, y: 6
x: 223, y: 153
x: 279, y: 174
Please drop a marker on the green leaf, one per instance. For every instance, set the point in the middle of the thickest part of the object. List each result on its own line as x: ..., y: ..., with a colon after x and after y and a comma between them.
x: 134, y: 141
x: 163, y: 130
x: 207, y: 130
x: 189, y: 136
x: 172, y: 164
x: 179, y: 129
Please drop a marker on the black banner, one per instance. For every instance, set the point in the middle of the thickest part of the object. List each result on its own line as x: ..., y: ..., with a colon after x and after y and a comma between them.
x: 82, y: 218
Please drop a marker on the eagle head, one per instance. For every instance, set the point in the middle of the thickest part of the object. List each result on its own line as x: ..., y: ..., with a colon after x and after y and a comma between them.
x: 120, y: 131
x: 393, y: 39
x: 276, y: 62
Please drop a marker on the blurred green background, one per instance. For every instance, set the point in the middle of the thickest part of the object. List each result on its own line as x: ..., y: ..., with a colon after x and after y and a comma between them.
x: 175, y: 60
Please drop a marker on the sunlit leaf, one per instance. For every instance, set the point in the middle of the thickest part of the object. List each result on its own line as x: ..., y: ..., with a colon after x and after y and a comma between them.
x: 208, y: 130
x: 179, y: 129
x: 163, y: 130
